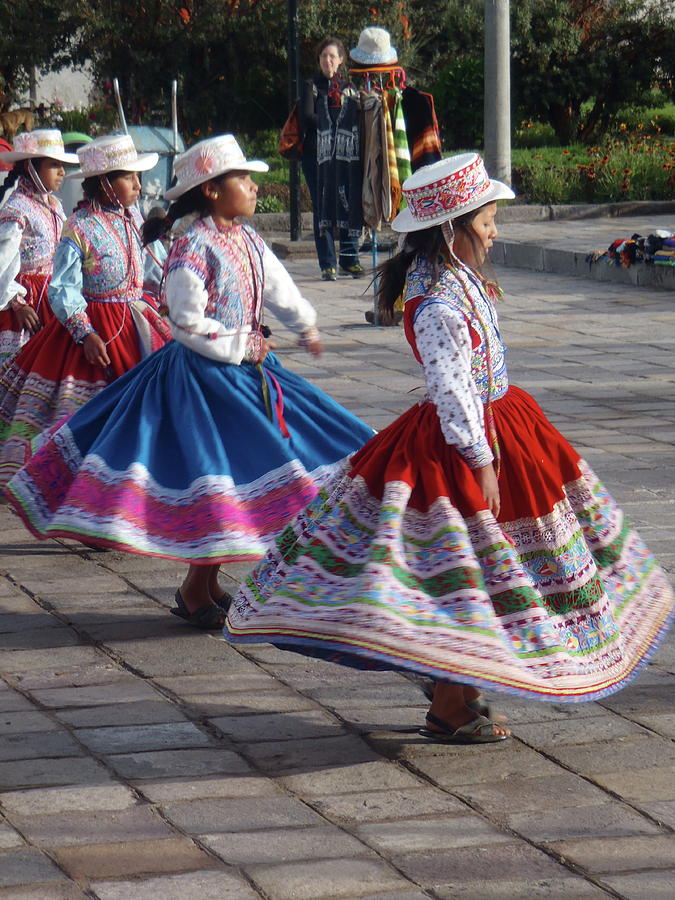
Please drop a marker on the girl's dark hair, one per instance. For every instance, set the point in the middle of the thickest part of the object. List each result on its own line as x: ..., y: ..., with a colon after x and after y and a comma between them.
x: 193, y: 201
x: 91, y: 187
x: 326, y: 42
x: 428, y: 242
x: 392, y: 274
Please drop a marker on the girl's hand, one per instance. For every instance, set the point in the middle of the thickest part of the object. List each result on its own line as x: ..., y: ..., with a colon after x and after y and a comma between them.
x: 487, y: 481
x: 314, y: 347
x: 28, y: 318
x: 95, y: 351
x: 265, y: 348
x: 310, y: 339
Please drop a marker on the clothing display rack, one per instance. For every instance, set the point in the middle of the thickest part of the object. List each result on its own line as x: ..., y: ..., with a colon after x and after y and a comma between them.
x: 396, y: 79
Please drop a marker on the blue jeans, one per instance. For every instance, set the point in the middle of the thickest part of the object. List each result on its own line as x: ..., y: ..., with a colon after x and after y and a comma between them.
x: 324, y: 240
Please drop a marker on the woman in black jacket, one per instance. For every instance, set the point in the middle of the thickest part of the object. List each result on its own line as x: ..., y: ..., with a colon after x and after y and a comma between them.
x: 331, y: 161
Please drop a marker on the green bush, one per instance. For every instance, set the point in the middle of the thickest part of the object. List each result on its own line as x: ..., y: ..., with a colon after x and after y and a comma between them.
x: 631, y: 167
x: 657, y: 119
x: 534, y: 134
x: 458, y: 98
x: 269, y: 205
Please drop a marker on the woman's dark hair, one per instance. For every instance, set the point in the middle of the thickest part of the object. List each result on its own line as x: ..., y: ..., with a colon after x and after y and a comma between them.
x: 193, y: 201
x: 326, y: 42
x: 428, y: 242
x: 91, y: 187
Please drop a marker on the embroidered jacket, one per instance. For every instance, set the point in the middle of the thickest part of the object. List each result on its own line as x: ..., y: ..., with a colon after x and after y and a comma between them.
x: 458, y: 343
x: 100, y: 258
x: 30, y: 228
x: 217, y: 281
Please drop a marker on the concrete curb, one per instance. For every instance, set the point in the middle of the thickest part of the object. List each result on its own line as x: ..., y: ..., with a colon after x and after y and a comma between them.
x: 518, y: 255
x: 278, y: 223
x: 533, y: 255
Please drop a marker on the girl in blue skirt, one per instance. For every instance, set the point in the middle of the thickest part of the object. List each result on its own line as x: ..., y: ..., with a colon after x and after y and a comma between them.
x: 207, y: 449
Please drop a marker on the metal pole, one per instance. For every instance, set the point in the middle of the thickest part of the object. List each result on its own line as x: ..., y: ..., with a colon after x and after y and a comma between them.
x: 497, y: 103
x: 174, y: 114
x: 293, y: 93
x: 120, y: 108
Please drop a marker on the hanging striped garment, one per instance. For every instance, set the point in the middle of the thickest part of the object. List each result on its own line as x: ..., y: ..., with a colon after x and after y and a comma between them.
x: 401, y: 139
x: 394, y: 180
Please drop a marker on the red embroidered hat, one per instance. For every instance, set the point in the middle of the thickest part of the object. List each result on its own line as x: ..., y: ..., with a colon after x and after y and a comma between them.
x: 445, y: 190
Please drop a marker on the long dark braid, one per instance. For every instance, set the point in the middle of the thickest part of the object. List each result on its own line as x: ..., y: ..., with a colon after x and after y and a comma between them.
x: 392, y: 273
x: 193, y: 201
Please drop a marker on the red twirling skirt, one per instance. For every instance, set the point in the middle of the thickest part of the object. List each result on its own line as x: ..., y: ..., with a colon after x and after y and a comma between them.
x: 400, y: 565
x: 50, y: 377
x: 12, y: 337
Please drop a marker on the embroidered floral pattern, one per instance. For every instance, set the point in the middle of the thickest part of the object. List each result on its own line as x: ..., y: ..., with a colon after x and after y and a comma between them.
x: 40, y: 224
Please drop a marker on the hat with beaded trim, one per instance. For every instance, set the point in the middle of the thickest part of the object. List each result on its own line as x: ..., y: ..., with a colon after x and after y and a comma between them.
x: 43, y: 142
x: 112, y: 153
x: 209, y: 159
x: 447, y: 189
x: 374, y: 48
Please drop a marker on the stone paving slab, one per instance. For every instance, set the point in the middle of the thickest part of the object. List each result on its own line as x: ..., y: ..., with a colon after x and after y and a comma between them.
x: 70, y: 829
x: 391, y: 805
x: 284, y: 845
x: 46, y: 772
x: 205, y: 885
x: 138, y: 738
x: 619, y: 854
x: 53, y: 891
x: 68, y: 799
x: 269, y: 775
x: 324, y: 879
x: 98, y: 861
x: 27, y: 865
x: 656, y: 885
x: 607, y: 820
x: 535, y: 888
x: 240, y: 814
x: 142, y: 712
x: 177, y: 763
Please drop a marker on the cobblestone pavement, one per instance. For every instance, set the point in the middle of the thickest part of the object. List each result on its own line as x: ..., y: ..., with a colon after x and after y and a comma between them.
x: 141, y: 759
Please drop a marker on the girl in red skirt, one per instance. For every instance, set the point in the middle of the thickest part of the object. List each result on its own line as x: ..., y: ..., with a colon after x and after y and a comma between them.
x: 30, y: 227
x: 103, y: 325
x: 468, y: 542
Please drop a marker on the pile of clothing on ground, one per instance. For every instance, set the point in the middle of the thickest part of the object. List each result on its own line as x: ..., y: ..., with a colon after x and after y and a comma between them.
x: 656, y: 249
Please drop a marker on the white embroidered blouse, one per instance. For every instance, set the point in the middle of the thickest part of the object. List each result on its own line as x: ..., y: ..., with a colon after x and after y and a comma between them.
x: 216, y: 283
x: 458, y: 342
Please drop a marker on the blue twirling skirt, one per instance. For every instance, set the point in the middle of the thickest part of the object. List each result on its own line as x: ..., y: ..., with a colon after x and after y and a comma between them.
x: 187, y: 458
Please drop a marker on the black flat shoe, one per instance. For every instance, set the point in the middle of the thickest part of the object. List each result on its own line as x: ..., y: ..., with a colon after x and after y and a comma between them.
x: 224, y: 601
x: 206, y: 618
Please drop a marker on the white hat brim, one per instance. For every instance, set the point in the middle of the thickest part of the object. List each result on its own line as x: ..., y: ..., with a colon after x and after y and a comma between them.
x: 255, y: 165
x: 16, y: 156
x: 404, y: 221
x: 143, y: 163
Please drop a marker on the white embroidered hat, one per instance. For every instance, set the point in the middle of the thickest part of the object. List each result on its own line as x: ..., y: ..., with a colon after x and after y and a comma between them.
x: 111, y: 153
x: 445, y: 190
x: 208, y: 159
x: 374, y: 48
x: 43, y: 142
